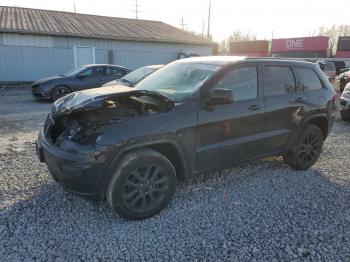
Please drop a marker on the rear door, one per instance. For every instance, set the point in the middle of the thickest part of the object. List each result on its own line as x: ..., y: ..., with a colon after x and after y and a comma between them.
x: 285, y: 105
x: 232, y: 132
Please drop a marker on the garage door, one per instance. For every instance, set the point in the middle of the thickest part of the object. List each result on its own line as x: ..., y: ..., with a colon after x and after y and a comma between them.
x: 84, y: 55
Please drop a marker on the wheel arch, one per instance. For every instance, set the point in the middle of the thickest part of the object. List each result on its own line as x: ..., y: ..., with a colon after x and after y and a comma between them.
x: 321, y: 122
x: 170, y: 149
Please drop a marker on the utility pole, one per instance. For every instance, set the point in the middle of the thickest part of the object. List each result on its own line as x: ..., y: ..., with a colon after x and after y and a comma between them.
x: 136, y: 11
x: 183, y: 23
x: 208, y: 33
x: 75, y: 10
x: 203, y: 27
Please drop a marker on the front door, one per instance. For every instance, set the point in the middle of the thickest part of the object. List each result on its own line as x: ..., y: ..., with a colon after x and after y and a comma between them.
x: 232, y: 132
x: 91, y: 77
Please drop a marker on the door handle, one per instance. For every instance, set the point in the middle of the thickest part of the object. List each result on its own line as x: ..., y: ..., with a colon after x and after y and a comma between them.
x: 254, y: 107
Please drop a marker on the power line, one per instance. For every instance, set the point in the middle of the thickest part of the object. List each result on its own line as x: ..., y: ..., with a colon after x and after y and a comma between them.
x: 136, y: 11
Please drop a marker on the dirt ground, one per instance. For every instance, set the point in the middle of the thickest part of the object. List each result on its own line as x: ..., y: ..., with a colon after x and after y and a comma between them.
x: 21, y: 116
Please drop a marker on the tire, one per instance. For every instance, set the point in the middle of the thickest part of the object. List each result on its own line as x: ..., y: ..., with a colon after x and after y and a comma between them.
x: 142, y: 184
x: 307, y: 148
x: 60, y: 91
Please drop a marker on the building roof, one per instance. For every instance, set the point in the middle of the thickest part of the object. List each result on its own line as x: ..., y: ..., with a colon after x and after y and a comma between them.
x: 46, y: 22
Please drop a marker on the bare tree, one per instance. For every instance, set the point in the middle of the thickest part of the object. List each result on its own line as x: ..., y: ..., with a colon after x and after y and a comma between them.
x: 333, y: 32
x: 237, y: 35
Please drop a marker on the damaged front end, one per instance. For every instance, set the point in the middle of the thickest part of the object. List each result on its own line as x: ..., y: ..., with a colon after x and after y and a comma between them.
x: 77, y: 121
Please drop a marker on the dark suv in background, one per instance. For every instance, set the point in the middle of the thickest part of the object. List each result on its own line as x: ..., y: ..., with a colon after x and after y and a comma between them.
x: 84, y: 77
x: 130, y: 145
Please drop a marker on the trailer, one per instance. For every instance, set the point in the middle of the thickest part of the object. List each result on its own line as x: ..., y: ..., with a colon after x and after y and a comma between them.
x: 304, y: 47
x: 257, y: 48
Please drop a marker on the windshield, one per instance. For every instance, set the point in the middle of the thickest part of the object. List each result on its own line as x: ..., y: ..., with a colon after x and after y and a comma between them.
x: 74, y: 71
x: 138, y: 74
x: 178, y: 80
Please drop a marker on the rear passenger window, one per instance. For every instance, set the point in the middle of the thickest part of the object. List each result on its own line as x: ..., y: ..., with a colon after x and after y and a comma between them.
x: 308, y: 79
x: 278, y: 80
x: 114, y: 71
x: 243, y: 82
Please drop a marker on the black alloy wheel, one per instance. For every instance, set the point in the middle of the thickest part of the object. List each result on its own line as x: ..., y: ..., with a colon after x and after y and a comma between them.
x: 59, y: 92
x: 307, y: 149
x: 144, y: 188
x: 142, y: 185
x: 310, y: 147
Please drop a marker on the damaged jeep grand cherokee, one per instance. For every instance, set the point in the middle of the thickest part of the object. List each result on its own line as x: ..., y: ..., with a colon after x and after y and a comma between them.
x: 131, y: 145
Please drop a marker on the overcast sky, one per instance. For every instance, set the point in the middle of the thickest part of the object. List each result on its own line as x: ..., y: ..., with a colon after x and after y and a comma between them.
x: 293, y: 18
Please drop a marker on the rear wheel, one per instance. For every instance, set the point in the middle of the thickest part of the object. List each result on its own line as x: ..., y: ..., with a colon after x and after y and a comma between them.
x: 306, y: 149
x: 60, y: 91
x: 142, y: 184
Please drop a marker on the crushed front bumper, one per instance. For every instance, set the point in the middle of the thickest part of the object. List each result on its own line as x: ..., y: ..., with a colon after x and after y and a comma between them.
x: 79, y: 174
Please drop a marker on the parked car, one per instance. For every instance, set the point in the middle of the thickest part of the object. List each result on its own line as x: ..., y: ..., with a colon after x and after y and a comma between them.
x: 339, y: 66
x: 330, y: 71
x: 344, y: 79
x: 135, y: 76
x: 345, y: 103
x: 84, y: 77
x: 130, y: 145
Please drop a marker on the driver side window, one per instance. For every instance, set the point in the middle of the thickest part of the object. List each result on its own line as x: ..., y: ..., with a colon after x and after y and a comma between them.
x: 243, y: 82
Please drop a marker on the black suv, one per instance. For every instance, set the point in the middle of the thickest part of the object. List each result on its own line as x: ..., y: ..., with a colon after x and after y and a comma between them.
x: 130, y: 145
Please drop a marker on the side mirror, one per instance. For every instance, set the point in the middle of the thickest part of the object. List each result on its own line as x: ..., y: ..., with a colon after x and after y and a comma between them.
x: 219, y: 96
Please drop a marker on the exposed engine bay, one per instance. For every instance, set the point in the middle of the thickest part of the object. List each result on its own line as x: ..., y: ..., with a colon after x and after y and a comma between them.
x: 81, y: 127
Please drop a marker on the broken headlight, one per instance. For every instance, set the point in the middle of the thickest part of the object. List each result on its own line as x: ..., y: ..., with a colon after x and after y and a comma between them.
x: 83, y: 135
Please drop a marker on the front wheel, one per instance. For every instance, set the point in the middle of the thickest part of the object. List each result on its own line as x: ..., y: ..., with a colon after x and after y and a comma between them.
x: 307, y: 148
x: 59, y: 92
x: 142, y: 184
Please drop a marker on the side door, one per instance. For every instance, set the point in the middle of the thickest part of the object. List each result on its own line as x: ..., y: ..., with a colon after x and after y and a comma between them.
x: 285, y: 105
x: 231, y: 132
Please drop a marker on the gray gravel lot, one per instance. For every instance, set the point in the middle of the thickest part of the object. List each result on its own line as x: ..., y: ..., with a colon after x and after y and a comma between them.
x: 260, y: 211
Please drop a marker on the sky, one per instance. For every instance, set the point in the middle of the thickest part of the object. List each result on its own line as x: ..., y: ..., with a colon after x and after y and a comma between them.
x: 292, y: 18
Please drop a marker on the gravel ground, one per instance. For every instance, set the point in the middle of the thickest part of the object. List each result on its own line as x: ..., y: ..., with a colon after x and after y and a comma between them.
x: 260, y: 211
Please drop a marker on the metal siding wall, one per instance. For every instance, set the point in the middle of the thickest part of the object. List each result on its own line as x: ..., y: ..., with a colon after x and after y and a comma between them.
x: 29, y: 57
x: 31, y: 63
x: 101, y: 56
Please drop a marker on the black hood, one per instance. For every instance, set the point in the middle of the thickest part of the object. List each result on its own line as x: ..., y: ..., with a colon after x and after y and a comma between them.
x: 95, y: 98
x: 47, y: 80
